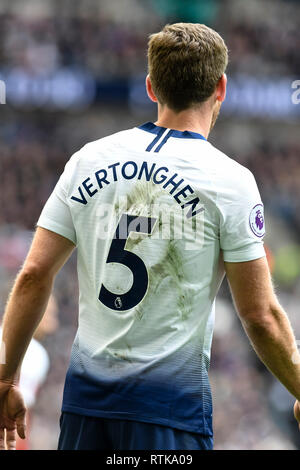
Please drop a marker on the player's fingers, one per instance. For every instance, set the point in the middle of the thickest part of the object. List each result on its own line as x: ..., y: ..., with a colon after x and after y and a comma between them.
x: 11, y: 439
x: 2, y: 442
x: 21, y: 425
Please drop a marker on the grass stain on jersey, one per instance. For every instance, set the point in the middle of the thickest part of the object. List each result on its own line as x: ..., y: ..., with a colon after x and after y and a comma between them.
x: 139, y: 202
x: 171, y: 266
x: 138, y: 313
x: 123, y: 357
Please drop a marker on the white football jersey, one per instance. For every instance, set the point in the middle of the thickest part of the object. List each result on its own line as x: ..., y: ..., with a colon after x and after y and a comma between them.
x: 153, y: 213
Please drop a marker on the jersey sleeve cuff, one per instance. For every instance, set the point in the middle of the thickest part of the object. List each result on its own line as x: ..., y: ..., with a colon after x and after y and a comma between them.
x: 246, y: 254
x: 57, y: 228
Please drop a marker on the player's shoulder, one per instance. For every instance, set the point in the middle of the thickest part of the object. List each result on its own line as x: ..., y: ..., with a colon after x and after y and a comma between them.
x: 102, y: 147
x: 99, y: 145
x: 232, y: 181
x: 228, y: 168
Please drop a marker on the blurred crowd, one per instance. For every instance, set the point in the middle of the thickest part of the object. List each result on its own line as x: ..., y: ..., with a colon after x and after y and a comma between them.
x: 251, y: 410
x: 259, y: 43
x: 111, y: 42
x: 104, y: 47
x: 277, y: 171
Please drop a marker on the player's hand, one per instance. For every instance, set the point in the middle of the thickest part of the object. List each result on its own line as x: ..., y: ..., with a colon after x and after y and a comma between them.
x: 297, y: 412
x: 12, y: 415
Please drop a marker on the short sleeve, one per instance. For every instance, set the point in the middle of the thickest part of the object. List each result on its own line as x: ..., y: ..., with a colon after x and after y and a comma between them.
x: 56, y: 215
x: 242, y: 224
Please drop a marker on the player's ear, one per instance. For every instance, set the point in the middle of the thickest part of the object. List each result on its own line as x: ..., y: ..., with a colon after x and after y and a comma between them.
x: 149, y: 89
x: 221, y: 88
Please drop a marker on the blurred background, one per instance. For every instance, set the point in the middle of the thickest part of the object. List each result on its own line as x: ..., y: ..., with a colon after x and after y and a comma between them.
x: 74, y: 71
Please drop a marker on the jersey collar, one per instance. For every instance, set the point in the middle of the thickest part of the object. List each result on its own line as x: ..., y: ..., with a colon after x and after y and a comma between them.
x: 151, y: 127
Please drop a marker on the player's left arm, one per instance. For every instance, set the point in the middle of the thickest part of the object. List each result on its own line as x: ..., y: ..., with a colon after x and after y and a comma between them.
x: 264, y: 320
x: 25, y: 308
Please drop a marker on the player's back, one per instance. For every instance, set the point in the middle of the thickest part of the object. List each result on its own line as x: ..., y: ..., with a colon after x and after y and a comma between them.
x: 149, y: 210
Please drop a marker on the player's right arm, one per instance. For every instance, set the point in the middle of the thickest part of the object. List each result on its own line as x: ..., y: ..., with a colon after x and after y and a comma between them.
x: 265, y: 322
x: 25, y: 308
x: 53, y: 243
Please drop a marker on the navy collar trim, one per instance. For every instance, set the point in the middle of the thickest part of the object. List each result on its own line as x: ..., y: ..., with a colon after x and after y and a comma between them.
x: 150, y: 127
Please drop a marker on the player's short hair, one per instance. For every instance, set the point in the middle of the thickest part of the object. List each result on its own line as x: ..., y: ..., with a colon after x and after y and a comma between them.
x: 185, y: 61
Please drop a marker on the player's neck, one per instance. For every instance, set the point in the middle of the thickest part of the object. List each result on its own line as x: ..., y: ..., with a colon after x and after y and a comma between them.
x: 193, y: 120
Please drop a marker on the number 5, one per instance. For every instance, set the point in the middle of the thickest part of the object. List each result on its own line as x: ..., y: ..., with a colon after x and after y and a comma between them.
x: 118, y: 254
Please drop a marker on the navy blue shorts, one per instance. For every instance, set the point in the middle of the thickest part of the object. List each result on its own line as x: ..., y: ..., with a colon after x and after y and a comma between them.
x: 90, y: 433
